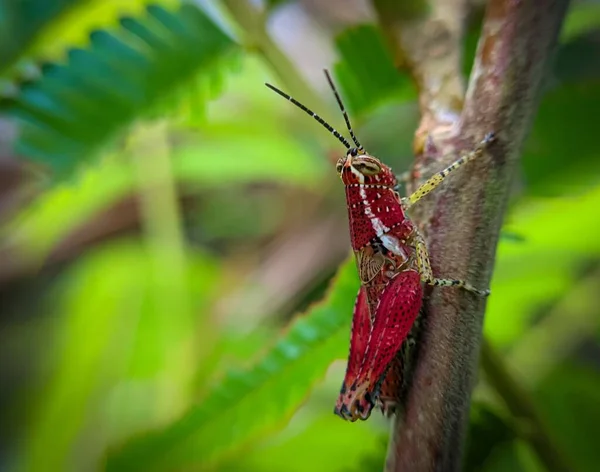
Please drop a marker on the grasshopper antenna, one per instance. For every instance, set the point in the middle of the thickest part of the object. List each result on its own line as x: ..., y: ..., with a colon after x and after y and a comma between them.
x: 342, y: 109
x: 327, y: 126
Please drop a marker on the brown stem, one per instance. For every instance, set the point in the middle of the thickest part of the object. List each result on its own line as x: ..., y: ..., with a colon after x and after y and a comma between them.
x: 426, y: 39
x: 463, y: 220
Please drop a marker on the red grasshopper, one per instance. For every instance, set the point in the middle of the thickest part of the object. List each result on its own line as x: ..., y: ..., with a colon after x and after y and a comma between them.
x: 392, y: 261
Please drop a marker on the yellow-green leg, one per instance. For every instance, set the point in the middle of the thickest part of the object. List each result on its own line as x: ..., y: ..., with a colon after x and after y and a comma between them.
x: 427, y: 275
x: 438, y: 178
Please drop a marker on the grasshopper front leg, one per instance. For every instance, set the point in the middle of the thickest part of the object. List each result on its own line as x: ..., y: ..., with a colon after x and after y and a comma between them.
x: 438, y: 178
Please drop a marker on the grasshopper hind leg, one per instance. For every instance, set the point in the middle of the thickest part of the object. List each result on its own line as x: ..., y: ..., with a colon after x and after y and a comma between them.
x: 427, y: 275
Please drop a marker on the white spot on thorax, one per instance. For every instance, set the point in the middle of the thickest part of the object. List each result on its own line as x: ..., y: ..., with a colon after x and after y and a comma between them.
x: 378, y: 226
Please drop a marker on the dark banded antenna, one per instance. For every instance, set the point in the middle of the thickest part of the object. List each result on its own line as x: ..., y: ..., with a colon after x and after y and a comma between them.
x: 327, y: 126
x: 342, y: 109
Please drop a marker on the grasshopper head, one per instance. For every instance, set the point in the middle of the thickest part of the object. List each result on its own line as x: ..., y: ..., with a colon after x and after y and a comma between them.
x: 358, y: 167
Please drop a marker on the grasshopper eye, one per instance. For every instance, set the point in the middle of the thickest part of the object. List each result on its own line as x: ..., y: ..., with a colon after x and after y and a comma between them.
x: 367, y: 167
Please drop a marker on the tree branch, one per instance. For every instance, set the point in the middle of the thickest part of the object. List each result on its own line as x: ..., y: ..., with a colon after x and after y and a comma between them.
x: 464, y: 216
x: 426, y: 39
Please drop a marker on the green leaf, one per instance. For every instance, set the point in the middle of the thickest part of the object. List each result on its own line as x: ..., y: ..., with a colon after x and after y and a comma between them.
x: 109, y: 328
x: 569, y: 400
x: 487, y: 430
x: 58, y: 25
x: 248, y: 405
x: 366, y: 72
x: 21, y: 22
x: 272, y: 4
x: 350, y: 447
x: 72, y: 29
x: 75, y: 108
x: 578, y: 60
x: 408, y: 9
x: 544, y: 265
x: 515, y: 456
x: 561, y: 155
x: 581, y: 18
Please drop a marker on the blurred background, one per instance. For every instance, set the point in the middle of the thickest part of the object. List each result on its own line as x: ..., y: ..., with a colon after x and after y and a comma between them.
x: 169, y: 228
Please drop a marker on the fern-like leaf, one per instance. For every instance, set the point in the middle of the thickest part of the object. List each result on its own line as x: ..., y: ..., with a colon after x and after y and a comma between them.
x: 21, y: 22
x: 248, y: 405
x: 76, y: 107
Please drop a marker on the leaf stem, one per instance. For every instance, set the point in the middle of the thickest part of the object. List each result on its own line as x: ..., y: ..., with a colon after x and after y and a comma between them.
x: 252, y: 21
x: 166, y: 246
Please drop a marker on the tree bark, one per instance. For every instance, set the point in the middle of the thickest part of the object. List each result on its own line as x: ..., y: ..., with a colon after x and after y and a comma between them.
x: 462, y: 218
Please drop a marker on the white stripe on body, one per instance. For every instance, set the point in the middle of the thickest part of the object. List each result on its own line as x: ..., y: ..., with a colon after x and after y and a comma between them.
x: 380, y: 230
x: 378, y: 226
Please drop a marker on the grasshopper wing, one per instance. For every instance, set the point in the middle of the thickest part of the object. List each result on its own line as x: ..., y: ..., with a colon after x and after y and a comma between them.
x: 396, y: 312
x: 361, y: 328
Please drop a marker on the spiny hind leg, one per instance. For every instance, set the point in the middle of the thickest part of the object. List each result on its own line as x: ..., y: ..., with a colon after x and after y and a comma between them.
x: 427, y: 275
x: 438, y: 178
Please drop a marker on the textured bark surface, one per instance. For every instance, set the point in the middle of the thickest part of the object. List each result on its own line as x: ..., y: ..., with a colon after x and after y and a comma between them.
x: 426, y: 38
x: 462, y: 218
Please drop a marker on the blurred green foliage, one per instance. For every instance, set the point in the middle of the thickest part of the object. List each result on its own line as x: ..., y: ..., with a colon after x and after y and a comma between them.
x: 74, y: 107
x: 242, y: 407
x: 363, y: 51
x: 167, y: 190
